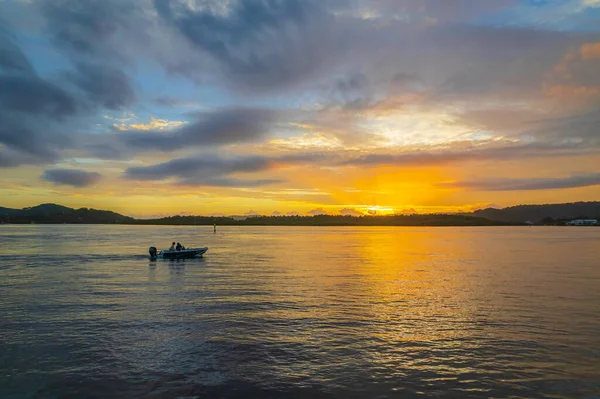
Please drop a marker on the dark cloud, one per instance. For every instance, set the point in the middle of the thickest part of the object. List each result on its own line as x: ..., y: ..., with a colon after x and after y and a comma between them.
x: 40, y: 116
x: 580, y: 129
x: 32, y: 95
x: 529, y: 184
x: 444, y: 156
x: 208, y: 170
x: 216, y: 128
x: 30, y: 110
x: 351, y: 92
x: 28, y: 139
x: 227, y: 182
x: 262, y: 44
x: 104, y: 85
x: 12, y: 58
x: 71, y: 177
x: 13, y: 158
x: 86, y: 27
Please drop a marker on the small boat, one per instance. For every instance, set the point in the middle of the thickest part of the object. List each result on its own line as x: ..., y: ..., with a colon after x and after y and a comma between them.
x: 181, y: 254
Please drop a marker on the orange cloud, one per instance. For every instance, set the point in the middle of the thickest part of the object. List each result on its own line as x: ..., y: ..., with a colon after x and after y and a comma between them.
x: 154, y: 124
x: 574, y: 92
x: 564, y: 85
x: 590, y: 51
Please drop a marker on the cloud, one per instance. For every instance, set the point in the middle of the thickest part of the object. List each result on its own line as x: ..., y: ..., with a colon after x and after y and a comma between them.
x: 208, y: 170
x: 258, y: 45
x: 318, y: 211
x: 579, y: 130
x: 220, y: 127
x: 89, y: 27
x: 528, y: 184
x: 41, y: 116
x: 13, y: 158
x: 226, y: 182
x: 351, y: 212
x: 351, y: 92
x: 575, y: 78
x: 12, y: 58
x: 215, y: 170
x: 590, y: 51
x: 28, y: 139
x: 71, y: 177
x: 154, y: 124
x: 443, y: 156
x: 104, y: 85
x: 32, y: 95
x: 205, y: 166
x: 438, y: 10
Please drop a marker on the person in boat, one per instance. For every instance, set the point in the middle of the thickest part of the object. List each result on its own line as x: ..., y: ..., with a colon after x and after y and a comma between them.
x: 172, y: 247
x: 178, y: 247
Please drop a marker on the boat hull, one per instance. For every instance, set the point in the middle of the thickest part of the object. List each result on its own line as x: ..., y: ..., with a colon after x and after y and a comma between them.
x: 183, y: 254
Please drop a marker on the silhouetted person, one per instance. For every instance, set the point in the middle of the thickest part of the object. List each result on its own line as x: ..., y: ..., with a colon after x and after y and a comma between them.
x: 172, y: 248
x: 178, y: 247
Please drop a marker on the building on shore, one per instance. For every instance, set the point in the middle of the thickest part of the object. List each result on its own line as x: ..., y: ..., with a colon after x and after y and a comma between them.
x: 583, y: 222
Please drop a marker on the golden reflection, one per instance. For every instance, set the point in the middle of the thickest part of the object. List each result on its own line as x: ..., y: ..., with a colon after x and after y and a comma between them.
x: 409, y: 274
x: 377, y: 279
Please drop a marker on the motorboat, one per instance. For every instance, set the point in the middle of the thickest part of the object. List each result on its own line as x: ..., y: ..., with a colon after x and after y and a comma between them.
x: 181, y: 254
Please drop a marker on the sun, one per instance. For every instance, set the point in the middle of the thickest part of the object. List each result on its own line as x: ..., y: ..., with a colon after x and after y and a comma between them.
x: 380, y: 210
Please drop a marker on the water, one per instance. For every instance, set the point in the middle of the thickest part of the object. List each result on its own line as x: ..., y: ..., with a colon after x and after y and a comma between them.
x: 291, y: 312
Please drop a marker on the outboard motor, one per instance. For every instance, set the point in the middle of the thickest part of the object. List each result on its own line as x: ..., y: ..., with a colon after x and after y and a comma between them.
x: 152, y: 251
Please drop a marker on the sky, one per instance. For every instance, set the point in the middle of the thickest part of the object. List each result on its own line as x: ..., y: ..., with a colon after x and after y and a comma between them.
x: 163, y: 107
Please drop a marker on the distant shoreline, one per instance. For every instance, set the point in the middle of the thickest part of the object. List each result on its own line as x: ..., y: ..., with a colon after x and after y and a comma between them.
x: 522, y: 215
x: 319, y: 220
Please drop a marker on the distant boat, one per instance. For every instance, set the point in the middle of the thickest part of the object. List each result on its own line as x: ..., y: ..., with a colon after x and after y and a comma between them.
x: 181, y: 254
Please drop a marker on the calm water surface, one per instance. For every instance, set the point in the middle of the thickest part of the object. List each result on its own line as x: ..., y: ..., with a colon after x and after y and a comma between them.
x: 290, y: 312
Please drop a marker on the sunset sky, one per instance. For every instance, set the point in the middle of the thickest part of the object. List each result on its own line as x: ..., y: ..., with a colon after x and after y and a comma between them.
x: 296, y: 106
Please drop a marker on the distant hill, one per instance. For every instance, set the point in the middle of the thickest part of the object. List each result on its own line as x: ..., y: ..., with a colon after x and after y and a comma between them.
x: 52, y: 213
x: 537, y: 213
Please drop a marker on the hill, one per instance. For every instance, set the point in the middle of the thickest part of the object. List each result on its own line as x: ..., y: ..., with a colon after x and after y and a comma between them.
x: 537, y: 213
x: 58, y: 214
